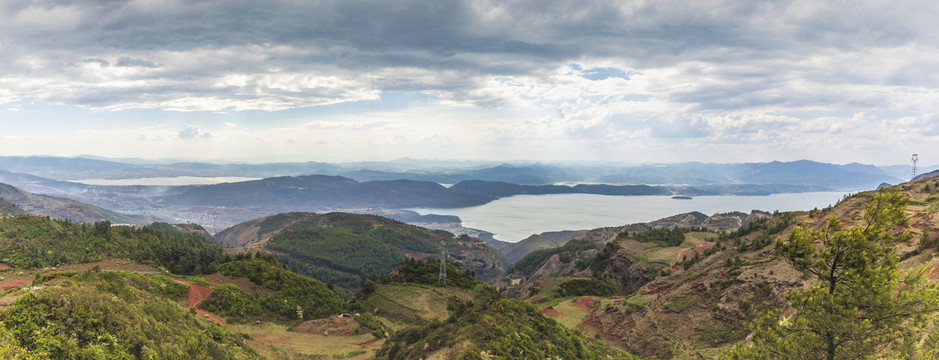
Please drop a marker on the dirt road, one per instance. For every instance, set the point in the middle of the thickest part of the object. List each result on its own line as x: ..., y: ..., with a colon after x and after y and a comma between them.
x: 197, y: 294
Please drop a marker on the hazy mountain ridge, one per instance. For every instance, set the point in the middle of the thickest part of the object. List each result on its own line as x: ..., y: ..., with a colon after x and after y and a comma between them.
x: 802, y: 172
x: 62, y: 208
x: 9, y: 208
x: 222, y: 205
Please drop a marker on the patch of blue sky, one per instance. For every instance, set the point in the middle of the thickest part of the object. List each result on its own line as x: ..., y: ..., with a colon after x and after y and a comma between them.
x: 604, y: 73
x: 600, y: 73
x: 637, y: 97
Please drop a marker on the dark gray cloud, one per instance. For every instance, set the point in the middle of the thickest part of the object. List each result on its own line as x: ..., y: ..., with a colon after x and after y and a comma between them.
x: 126, y: 61
x: 706, y: 56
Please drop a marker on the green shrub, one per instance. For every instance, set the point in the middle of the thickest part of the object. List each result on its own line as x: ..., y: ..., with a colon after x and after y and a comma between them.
x: 589, y: 286
x: 34, y: 241
x: 289, y: 291
x: 230, y: 301
x: 665, y: 236
x: 678, y: 304
x: 373, y: 324
x: 115, y: 315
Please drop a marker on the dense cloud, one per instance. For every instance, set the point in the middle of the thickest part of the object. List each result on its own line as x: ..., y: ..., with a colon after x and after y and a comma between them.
x: 652, y: 69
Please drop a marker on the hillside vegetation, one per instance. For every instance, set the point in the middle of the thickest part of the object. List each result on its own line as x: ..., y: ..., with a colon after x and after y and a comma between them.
x: 287, y: 296
x: 342, y: 249
x: 112, y: 315
x: 477, y: 322
x: 688, y: 293
x: 9, y: 209
x: 34, y: 241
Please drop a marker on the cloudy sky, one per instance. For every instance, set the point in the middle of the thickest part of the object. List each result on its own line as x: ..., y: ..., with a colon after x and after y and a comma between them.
x: 624, y: 81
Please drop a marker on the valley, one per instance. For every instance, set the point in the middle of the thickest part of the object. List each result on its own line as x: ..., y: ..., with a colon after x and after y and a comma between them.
x: 286, y: 189
x: 301, y: 284
x: 469, y: 180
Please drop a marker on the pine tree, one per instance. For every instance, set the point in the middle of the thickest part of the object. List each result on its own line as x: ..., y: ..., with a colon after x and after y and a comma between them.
x: 861, y: 302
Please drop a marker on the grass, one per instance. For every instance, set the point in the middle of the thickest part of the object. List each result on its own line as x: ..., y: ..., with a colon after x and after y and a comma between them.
x: 637, y: 300
x: 340, y: 347
x: 571, y: 314
x: 678, y: 304
x: 196, y: 280
x: 651, y: 252
x: 406, y: 303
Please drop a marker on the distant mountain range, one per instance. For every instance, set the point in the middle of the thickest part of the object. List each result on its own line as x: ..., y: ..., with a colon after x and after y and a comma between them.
x: 802, y: 172
x: 322, y: 192
x: 378, y: 187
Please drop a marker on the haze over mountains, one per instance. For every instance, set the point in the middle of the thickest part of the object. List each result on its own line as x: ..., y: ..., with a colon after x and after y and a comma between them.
x: 376, y: 187
x: 682, y: 286
x: 803, y: 172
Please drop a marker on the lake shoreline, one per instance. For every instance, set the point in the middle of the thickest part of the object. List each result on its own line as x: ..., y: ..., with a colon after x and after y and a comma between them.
x: 514, y: 218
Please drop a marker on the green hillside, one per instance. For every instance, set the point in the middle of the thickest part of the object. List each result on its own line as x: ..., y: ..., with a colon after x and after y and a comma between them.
x: 463, y: 319
x: 112, y: 315
x: 342, y: 249
x: 287, y: 296
x: 35, y: 241
x: 8, y: 208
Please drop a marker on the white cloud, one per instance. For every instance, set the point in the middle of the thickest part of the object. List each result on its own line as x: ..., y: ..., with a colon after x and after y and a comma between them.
x: 193, y: 132
x: 688, y: 78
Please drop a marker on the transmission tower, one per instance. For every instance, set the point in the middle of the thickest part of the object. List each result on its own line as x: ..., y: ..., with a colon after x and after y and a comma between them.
x: 442, y: 276
x: 915, y: 159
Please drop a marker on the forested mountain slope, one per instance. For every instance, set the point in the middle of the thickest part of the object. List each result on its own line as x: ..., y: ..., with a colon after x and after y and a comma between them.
x: 342, y: 248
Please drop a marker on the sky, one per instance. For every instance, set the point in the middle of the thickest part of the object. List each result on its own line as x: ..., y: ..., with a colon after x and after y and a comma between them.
x: 526, y: 80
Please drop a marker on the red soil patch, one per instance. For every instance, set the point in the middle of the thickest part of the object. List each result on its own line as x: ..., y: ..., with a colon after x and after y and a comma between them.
x: 277, y: 340
x: 197, y: 294
x: 4, y: 266
x: 13, y: 283
x: 702, y: 247
x: 550, y: 312
x: 585, y: 302
x: 340, y: 326
x: 209, y: 316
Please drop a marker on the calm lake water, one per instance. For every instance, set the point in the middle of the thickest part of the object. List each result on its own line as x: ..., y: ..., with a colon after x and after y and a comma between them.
x: 166, y: 181
x: 515, y: 218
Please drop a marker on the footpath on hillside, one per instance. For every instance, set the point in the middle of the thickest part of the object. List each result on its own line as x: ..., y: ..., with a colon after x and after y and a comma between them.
x: 12, y: 284
x: 197, y: 294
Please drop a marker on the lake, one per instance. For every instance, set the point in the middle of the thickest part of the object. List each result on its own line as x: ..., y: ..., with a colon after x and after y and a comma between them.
x: 166, y: 181
x: 517, y: 217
